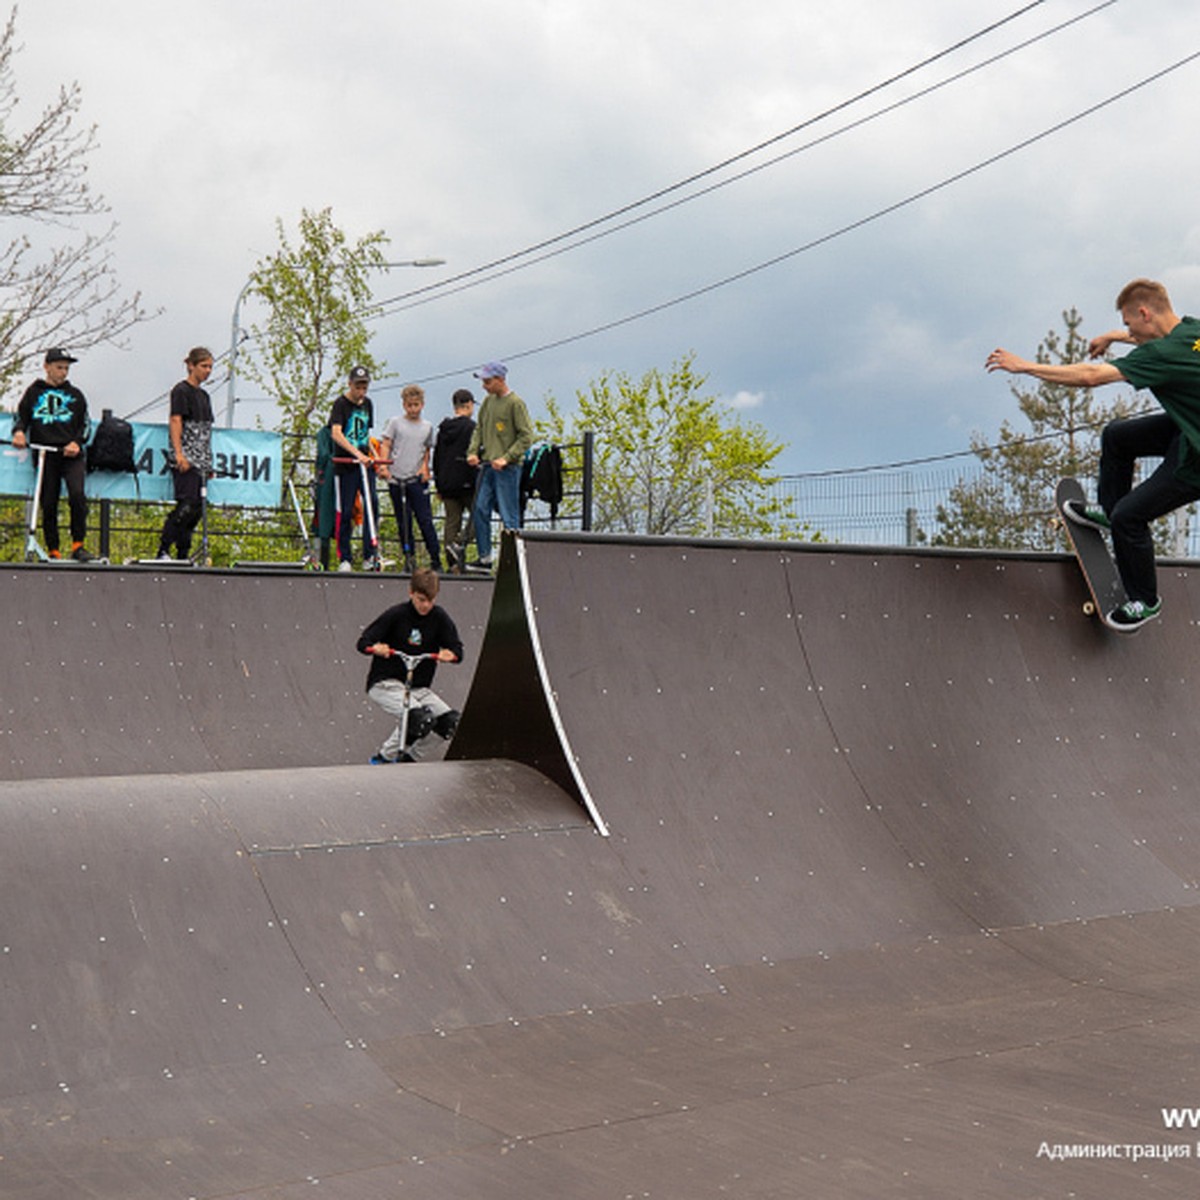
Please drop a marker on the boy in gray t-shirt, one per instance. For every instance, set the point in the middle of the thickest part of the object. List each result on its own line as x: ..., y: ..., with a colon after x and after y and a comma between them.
x: 408, y: 443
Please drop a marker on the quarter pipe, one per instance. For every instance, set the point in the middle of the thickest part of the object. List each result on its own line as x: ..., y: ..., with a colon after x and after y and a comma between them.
x: 753, y: 871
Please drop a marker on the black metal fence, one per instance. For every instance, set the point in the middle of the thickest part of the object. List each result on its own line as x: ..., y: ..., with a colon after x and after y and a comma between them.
x: 125, y: 531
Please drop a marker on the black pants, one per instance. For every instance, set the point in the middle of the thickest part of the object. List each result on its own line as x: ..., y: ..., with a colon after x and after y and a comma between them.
x: 349, y: 483
x: 1131, y: 509
x: 60, y: 469
x: 185, y: 516
x: 410, y: 501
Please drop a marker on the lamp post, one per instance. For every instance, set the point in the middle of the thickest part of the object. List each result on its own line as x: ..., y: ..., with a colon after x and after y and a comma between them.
x: 235, y: 331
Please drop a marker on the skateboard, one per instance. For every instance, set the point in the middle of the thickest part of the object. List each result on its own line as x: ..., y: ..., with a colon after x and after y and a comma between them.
x: 1105, y: 590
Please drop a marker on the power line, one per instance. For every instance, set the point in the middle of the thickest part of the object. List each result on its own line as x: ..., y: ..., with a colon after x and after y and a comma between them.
x: 444, y: 287
x: 720, y: 166
x: 476, y: 278
x: 949, y: 456
x: 851, y: 227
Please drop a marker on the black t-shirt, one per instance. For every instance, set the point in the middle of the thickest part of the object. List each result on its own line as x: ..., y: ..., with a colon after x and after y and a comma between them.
x: 356, y: 421
x: 194, y: 408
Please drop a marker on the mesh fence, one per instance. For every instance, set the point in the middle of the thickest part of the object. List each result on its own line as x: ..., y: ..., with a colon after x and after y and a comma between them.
x: 883, y: 507
x: 900, y: 507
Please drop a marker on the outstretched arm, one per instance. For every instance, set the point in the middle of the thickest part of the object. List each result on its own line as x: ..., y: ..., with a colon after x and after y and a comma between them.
x: 1066, y: 374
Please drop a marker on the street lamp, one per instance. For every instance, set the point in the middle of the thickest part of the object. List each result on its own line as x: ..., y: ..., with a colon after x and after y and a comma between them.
x: 231, y: 397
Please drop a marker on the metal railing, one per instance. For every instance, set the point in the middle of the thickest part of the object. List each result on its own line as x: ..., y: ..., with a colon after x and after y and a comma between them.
x: 887, y: 507
x: 123, y: 531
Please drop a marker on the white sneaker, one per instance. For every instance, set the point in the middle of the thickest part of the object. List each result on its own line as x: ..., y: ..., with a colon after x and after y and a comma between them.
x: 345, y: 565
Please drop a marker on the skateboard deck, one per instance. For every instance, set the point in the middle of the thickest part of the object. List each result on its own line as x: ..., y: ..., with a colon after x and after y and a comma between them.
x: 1105, y: 590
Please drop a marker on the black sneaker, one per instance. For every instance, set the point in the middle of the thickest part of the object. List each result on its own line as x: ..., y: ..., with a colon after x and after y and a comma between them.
x: 1132, y: 615
x: 1090, y: 515
x: 452, y: 557
x: 83, y: 554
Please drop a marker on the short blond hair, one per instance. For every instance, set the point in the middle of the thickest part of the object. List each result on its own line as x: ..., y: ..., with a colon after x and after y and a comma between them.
x: 1145, y: 293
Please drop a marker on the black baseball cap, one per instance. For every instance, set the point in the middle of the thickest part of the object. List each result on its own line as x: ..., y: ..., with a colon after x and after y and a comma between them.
x: 58, y: 355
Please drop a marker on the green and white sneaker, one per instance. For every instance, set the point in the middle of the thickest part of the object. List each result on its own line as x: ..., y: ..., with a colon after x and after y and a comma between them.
x: 1091, y: 515
x: 1132, y: 615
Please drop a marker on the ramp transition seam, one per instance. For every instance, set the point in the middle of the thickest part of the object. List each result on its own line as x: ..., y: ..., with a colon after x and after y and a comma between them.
x: 404, y: 843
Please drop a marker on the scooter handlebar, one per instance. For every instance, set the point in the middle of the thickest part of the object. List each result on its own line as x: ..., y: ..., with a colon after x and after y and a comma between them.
x: 409, y: 659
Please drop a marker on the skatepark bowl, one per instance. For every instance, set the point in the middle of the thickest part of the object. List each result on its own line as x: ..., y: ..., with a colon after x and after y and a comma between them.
x: 753, y: 871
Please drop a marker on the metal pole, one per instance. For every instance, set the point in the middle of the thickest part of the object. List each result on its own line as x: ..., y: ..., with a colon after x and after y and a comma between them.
x: 589, y: 459
x: 231, y: 391
x: 105, y: 510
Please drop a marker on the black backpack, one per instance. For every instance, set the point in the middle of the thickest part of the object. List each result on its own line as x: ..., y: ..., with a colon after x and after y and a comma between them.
x: 112, y: 447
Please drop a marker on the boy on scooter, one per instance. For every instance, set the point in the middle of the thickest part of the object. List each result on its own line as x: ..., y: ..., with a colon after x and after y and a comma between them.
x: 406, y: 643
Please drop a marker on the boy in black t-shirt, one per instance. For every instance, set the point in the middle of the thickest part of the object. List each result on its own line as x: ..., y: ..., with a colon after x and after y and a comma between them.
x: 419, y: 626
x: 350, y: 424
x: 190, y: 429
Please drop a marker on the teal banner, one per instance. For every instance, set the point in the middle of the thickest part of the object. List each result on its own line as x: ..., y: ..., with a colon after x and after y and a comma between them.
x: 248, y: 466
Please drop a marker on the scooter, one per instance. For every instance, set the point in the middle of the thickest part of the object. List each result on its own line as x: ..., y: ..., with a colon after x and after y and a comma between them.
x: 411, y: 662
x: 375, y: 562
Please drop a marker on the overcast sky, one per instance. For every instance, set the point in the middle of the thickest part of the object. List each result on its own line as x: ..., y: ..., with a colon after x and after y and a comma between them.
x: 471, y: 131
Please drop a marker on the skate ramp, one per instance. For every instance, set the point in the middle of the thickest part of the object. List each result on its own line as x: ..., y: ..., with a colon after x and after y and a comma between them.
x: 131, y: 671
x: 898, y: 889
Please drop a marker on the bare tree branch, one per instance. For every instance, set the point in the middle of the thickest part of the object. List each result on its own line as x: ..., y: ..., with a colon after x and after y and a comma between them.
x: 65, y: 293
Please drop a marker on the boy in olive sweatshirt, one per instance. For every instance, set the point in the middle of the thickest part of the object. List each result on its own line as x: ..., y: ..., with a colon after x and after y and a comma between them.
x: 502, y: 435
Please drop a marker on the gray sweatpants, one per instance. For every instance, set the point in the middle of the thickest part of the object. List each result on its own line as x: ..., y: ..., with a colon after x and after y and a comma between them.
x: 389, y: 695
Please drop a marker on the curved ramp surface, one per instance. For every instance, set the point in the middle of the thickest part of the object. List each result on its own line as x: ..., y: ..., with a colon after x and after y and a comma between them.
x: 897, y: 899
x: 131, y: 671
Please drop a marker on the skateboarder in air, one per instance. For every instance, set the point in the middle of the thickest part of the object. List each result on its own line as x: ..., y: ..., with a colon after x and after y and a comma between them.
x: 419, y: 626
x: 1166, y: 360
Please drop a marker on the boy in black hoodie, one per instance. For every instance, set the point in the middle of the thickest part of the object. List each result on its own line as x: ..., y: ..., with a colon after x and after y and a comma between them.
x: 453, y: 478
x: 54, y: 413
x: 419, y: 626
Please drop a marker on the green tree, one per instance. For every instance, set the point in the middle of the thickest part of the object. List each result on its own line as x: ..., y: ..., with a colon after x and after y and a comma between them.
x: 318, y: 301
x: 1009, y: 505
x: 670, y: 460
x: 58, y: 288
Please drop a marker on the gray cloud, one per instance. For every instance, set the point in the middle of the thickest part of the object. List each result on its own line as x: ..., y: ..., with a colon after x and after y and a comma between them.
x: 469, y: 131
